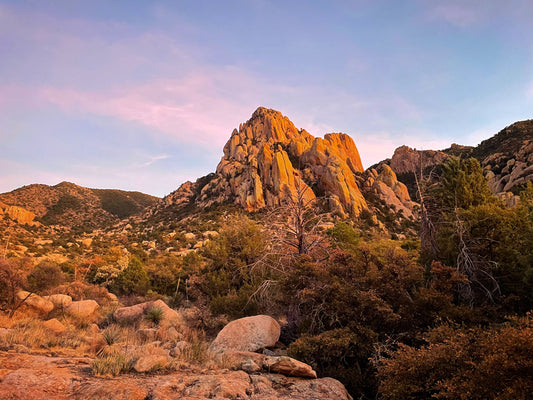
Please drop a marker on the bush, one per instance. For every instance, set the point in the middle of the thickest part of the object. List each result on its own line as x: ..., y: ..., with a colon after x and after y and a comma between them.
x: 339, y: 353
x: 133, y: 279
x: 44, y: 276
x: 463, y: 363
x: 12, y: 279
x: 154, y: 315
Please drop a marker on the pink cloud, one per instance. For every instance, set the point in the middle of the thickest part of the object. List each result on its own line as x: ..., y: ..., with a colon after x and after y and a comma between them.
x: 193, y: 109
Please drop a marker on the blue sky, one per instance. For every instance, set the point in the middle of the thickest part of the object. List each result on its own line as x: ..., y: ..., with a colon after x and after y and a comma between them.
x: 142, y: 95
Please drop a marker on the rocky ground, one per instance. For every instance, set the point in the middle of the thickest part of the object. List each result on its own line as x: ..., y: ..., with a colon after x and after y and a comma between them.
x: 133, y: 358
x: 27, y: 376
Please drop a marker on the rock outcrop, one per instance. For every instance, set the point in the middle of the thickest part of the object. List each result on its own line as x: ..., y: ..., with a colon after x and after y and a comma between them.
x: 386, y: 186
x: 267, y: 161
x: 18, y: 214
x: 506, y: 171
x: 405, y: 159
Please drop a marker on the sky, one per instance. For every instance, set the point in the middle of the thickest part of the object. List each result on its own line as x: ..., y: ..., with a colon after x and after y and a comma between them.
x: 142, y: 95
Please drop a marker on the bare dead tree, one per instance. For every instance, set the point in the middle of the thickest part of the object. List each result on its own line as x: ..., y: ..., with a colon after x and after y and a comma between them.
x: 428, y: 230
x: 473, y: 267
x: 297, y: 223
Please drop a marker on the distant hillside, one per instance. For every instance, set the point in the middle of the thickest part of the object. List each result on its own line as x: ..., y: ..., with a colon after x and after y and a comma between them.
x: 75, y: 206
x: 506, y: 158
x: 508, y: 141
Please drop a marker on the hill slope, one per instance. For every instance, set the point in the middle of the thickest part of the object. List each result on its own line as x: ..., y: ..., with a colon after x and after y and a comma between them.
x: 71, y: 205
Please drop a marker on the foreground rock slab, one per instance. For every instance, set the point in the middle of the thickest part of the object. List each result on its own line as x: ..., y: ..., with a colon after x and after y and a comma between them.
x: 254, y: 362
x: 247, y: 334
x: 24, y: 376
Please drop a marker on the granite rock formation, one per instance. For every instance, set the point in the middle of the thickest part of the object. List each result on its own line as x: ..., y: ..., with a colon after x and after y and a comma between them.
x: 268, y: 161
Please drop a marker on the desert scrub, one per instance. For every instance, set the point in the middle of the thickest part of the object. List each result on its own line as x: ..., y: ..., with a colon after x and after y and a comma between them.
x: 112, y: 365
x: 111, y: 335
x: 154, y: 315
x: 196, y: 350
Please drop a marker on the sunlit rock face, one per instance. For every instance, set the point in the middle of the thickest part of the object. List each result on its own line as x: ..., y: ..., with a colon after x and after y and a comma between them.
x: 405, y: 159
x: 268, y: 160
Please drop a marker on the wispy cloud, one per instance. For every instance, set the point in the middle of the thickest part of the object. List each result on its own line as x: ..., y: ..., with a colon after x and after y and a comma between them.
x: 154, y: 159
x: 457, y: 14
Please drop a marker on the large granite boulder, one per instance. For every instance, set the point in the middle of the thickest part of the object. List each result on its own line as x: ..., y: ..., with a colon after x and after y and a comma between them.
x: 35, y: 302
x: 247, y: 334
x: 82, y: 308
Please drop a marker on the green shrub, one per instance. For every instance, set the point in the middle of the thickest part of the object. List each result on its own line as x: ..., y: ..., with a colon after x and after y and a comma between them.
x: 339, y: 353
x: 133, y: 279
x: 154, y: 315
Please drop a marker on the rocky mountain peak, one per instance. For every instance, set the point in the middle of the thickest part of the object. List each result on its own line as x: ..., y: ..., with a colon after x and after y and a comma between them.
x: 268, y: 160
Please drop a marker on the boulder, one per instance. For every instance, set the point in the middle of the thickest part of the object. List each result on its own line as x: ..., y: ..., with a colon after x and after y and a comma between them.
x: 289, y: 367
x: 189, y: 236
x: 147, y: 335
x: 112, y: 298
x: 131, y: 313
x: 254, y: 362
x: 179, y: 348
x: 93, y: 329
x: 168, y: 334
x: 54, y: 325
x: 82, y: 308
x: 247, y: 334
x: 150, y: 363
x: 35, y: 302
x: 137, y: 311
x: 59, y: 300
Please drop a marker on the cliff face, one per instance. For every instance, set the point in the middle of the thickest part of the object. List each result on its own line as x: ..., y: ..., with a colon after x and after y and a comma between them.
x: 18, y: 214
x: 405, y: 159
x: 268, y: 160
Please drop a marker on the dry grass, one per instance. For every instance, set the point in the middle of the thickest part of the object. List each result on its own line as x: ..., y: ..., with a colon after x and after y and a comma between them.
x: 112, y: 365
x: 30, y: 332
x: 116, y: 347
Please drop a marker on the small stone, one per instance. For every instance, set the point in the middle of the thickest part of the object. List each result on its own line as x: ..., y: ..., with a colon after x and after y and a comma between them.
x: 150, y: 363
x: 54, y: 325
